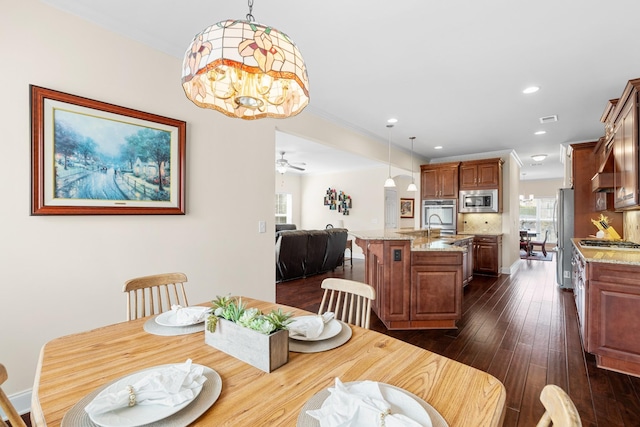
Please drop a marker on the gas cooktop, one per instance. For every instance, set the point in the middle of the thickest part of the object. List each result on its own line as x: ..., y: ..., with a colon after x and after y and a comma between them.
x: 609, y: 244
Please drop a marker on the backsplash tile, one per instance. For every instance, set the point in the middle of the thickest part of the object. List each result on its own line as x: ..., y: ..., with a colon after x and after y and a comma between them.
x: 480, y: 223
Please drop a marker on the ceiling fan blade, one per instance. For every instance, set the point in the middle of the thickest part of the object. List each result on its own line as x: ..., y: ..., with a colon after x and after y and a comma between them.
x: 295, y: 167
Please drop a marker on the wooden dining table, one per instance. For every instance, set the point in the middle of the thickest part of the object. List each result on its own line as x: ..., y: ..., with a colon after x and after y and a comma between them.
x: 73, y: 366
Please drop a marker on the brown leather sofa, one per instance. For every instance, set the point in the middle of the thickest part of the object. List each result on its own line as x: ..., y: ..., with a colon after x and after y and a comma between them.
x: 303, y: 253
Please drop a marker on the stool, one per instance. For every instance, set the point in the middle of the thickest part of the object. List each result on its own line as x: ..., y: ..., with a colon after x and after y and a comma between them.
x: 349, y: 246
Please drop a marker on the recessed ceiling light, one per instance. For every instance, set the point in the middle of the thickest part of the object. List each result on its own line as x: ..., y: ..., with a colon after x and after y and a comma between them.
x: 438, y: 147
x: 539, y: 157
x: 540, y: 132
x: 531, y: 89
x: 392, y: 121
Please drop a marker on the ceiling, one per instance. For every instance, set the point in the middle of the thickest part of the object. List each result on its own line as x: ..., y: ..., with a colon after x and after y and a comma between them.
x: 451, y: 72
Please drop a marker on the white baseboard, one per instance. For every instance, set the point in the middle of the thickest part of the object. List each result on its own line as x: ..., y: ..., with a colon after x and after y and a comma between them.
x: 20, y: 401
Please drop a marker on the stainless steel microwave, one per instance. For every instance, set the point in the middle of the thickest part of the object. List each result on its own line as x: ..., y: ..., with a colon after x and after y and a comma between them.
x: 478, y: 201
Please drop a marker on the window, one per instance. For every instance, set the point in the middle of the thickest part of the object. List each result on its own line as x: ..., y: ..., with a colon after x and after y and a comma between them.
x: 538, y: 215
x: 283, y: 208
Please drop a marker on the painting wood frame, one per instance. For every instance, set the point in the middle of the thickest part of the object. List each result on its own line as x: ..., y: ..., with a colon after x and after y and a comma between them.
x: 78, y: 148
x: 406, y: 208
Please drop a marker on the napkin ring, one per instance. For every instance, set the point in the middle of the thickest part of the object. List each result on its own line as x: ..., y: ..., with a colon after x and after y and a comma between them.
x: 132, y: 395
x: 383, y: 423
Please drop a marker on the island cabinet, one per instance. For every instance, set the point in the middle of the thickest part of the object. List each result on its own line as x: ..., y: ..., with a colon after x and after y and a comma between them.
x: 487, y: 254
x: 415, y: 289
x: 481, y: 174
x: 439, y: 181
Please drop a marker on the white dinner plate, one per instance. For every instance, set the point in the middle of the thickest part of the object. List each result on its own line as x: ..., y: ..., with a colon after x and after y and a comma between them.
x: 169, y: 318
x: 403, y: 403
x: 138, y: 415
x: 331, y: 329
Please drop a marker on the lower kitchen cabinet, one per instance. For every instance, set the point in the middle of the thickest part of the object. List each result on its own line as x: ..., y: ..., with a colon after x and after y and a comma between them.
x: 608, y: 302
x: 487, y: 254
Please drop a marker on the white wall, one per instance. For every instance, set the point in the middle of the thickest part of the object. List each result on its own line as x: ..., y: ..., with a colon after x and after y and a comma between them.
x: 65, y: 274
x: 541, y: 187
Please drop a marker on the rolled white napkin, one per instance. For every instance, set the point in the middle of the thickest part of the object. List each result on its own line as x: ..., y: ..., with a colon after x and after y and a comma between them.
x: 360, y: 404
x: 189, y: 315
x: 168, y: 386
x: 309, y: 326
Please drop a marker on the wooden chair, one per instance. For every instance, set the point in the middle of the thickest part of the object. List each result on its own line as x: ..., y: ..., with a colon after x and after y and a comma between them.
x: 349, y: 300
x: 559, y: 409
x: 154, y: 294
x: 525, y: 241
x: 5, y: 404
x: 541, y: 244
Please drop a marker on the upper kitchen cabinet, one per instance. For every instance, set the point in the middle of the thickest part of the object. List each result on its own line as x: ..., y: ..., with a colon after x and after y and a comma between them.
x: 481, y: 174
x: 625, y: 148
x: 585, y: 159
x: 439, y: 181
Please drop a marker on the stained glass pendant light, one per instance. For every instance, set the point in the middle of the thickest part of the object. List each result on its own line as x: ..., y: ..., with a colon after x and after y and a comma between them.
x: 412, y: 186
x: 247, y: 70
x: 389, y: 182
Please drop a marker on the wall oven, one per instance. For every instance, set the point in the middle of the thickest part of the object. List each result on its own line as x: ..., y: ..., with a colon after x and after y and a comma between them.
x: 445, y: 209
x: 472, y: 201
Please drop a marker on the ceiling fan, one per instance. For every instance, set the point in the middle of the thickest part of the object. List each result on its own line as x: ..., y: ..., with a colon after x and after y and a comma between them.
x: 283, y: 164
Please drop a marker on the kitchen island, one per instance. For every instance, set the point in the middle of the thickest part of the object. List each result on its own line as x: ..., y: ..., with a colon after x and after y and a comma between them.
x: 418, y: 279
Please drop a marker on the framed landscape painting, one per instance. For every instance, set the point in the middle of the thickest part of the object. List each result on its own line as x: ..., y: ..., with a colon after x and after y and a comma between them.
x: 406, y: 208
x: 94, y: 158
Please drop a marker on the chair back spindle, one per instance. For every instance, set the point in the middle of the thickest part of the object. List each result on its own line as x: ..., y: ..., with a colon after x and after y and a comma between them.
x: 349, y: 300
x: 149, y: 295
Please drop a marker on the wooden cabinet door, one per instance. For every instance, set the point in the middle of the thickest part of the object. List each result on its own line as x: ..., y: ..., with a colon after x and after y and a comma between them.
x: 468, y: 176
x: 625, y: 152
x: 439, y: 181
x: 436, y: 292
x: 486, y: 259
x: 613, y: 316
x: 429, y: 183
x: 487, y: 175
x: 449, y: 182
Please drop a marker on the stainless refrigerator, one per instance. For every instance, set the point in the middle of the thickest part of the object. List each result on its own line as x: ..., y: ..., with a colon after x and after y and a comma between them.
x: 564, y: 232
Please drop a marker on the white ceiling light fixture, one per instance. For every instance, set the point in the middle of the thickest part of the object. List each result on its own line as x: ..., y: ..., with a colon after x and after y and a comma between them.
x: 531, y: 89
x: 246, y: 70
x: 540, y: 132
x: 389, y: 183
x: 539, y: 157
x: 438, y: 147
x: 412, y: 187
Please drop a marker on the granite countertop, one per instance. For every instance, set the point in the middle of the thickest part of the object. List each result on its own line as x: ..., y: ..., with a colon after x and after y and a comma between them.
x: 419, y: 241
x: 613, y: 256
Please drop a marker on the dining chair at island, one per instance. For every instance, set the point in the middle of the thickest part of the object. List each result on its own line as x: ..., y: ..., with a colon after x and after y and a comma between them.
x: 5, y: 403
x: 349, y: 300
x: 154, y: 294
x: 560, y: 410
x: 73, y: 369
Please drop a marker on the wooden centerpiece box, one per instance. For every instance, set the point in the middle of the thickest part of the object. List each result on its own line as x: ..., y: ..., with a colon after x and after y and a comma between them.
x: 265, y: 352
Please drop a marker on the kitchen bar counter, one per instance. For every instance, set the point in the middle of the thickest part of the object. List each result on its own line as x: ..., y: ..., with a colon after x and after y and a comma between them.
x: 418, y: 238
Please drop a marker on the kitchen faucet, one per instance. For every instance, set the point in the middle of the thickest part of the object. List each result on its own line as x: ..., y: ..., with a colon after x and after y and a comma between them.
x: 429, y: 222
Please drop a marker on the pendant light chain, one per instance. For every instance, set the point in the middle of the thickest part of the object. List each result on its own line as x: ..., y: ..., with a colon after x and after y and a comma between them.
x: 250, y: 17
x: 390, y: 126
x: 412, y: 138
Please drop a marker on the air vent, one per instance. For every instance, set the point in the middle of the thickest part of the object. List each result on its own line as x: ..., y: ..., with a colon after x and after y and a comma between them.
x: 549, y: 119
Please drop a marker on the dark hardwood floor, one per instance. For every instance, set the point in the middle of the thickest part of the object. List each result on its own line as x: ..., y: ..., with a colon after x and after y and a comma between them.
x: 523, y: 330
